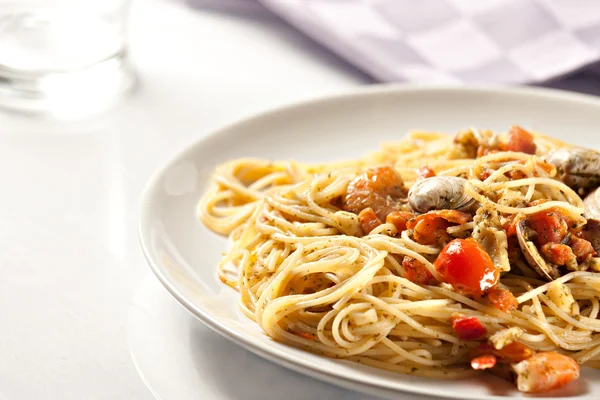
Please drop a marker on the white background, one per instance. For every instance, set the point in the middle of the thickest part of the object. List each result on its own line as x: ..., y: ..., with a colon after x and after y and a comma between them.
x: 69, y: 257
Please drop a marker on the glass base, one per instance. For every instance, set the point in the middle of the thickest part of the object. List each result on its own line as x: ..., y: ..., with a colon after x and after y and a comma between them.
x: 69, y: 94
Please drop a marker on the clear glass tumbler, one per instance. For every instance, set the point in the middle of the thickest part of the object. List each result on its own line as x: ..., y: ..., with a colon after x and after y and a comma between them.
x: 63, y: 57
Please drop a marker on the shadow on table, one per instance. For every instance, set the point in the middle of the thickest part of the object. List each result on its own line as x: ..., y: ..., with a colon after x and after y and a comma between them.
x: 256, y: 378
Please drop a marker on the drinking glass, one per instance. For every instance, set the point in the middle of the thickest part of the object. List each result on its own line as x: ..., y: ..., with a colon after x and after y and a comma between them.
x: 63, y: 57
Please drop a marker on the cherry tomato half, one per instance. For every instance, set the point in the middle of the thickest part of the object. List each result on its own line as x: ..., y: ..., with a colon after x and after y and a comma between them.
x: 465, y: 265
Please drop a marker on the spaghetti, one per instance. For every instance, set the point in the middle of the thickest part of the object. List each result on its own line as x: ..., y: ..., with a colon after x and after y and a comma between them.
x: 335, y: 259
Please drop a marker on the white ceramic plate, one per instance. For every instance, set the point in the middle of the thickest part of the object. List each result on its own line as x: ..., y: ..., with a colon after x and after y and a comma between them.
x: 183, y: 254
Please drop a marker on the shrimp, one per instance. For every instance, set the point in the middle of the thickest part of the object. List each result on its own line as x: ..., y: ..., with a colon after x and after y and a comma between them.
x: 545, y: 371
x: 382, y: 189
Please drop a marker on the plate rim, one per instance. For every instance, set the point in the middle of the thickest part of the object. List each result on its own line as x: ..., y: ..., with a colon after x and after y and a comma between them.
x: 359, y: 91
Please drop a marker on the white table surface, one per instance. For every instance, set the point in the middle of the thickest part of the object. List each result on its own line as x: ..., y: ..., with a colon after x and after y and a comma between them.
x: 69, y: 257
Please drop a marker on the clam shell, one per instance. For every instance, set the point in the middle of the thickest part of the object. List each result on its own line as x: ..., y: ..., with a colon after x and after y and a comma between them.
x: 592, y: 205
x: 439, y: 193
x: 577, y: 167
x: 533, y: 257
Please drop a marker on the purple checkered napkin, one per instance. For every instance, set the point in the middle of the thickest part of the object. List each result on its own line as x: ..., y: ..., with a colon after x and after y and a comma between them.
x: 454, y: 41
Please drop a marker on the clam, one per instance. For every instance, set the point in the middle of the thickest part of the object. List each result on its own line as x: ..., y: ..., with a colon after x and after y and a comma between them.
x: 592, y: 205
x: 546, y: 270
x: 591, y: 230
x: 439, y: 193
x: 577, y: 167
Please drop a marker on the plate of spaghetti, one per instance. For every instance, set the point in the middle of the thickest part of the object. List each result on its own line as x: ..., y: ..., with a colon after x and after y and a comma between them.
x: 440, y: 241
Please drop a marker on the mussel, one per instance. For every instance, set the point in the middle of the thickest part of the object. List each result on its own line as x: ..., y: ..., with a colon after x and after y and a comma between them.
x: 439, y: 193
x: 577, y: 167
x: 533, y: 256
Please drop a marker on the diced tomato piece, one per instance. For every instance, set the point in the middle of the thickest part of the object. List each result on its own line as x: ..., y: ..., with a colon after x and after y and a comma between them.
x: 559, y: 254
x: 425, y: 172
x: 484, y: 362
x: 485, y: 173
x: 510, y: 226
x: 515, y: 175
x: 416, y: 272
x: 511, y: 353
x: 520, y: 140
x: 502, y: 299
x: 431, y: 231
x: 465, y: 265
x: 430, y: 228
x: 399, y: 219
x: 467, y: 328
x: 582, y: 249
x: 368, y: 220
x: 550, y: 226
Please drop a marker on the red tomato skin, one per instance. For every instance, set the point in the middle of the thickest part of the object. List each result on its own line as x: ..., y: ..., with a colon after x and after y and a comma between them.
x: 549, y: 225
x: 467, y: 328
x: 465, y: 265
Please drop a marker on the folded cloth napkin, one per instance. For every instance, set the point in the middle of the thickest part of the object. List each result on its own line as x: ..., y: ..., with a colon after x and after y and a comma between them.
x: 453, y: 41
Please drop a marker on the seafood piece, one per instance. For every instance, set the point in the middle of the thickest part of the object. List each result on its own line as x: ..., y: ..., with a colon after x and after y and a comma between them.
x: 582, y: 249
x: 472, y: 143
x: 591, y: 230
x: 577, y: 167
x: 532, y: 255
x: 592, y: 205
x: 439, y: 193
x: 489, y: 234
x: 591, y: 233
x: 380, y: 188
x: 545, y: 371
